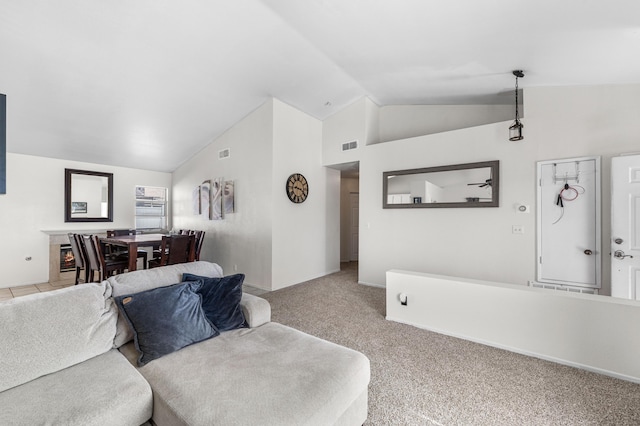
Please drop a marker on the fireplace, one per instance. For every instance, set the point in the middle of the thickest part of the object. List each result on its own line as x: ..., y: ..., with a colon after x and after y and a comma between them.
x: 60, y: 271
x: 67, y: 261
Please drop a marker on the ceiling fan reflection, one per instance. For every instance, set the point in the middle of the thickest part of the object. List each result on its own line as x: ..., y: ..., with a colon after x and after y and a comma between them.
x: 481, y: 184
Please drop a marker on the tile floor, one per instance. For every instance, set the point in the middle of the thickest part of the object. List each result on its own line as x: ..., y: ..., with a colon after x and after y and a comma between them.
x: 11, y: 292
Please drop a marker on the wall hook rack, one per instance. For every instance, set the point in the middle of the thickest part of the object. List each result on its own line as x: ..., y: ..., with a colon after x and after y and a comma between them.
x: 566, y: 177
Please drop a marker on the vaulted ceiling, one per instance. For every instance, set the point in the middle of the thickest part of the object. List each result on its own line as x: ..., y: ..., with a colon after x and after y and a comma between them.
x: 149, y: 83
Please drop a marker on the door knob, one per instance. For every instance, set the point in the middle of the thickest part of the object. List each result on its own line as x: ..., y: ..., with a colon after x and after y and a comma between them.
x: 618, y: 241
x: 619, y: 254
x: 588, y: 252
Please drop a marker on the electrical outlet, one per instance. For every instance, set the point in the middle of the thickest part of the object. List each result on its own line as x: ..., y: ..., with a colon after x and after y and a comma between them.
x: 517, y: 229
x: 235, y: 268
x: 403, y: 299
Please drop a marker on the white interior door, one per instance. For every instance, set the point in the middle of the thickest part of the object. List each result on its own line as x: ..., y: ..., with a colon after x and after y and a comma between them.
x: 355, y: 218
x: 625, y: 227
x: 569, y: 222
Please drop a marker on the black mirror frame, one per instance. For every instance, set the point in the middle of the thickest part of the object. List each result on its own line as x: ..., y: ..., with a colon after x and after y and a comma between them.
x: 68, y: 173
x: 495, y: 193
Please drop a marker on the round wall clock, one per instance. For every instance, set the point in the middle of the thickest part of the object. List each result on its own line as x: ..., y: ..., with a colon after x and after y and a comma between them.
x: 297, y: 188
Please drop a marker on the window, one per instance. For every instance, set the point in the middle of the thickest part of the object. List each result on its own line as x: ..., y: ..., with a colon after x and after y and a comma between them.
x: 151, y: 207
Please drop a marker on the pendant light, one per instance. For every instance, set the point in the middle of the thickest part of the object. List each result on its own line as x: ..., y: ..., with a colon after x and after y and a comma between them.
x: 515, y: 131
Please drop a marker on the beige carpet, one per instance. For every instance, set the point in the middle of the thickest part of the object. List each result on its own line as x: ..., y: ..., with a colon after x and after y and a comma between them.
x: 424, y: 378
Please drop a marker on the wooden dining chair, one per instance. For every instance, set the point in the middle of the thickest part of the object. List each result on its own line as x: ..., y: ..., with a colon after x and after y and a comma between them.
x: 97, y: 262
x: 175, y: 249
x: 199, y: 240
x: 123, y: 253
x: 156, y: 249
x: 79, y: 257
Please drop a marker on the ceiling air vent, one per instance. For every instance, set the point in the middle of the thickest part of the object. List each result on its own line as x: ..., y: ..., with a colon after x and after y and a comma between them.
x: 349, y: 145
x: 224, y: 153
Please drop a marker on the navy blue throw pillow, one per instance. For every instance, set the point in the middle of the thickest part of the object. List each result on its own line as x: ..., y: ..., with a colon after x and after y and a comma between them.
x: 221, y: 300
x: 166, y: 319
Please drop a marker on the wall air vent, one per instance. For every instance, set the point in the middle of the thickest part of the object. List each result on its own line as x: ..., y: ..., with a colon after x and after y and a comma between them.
x: 563, y: 287
x: 349, y: 145
x: 224, y: 153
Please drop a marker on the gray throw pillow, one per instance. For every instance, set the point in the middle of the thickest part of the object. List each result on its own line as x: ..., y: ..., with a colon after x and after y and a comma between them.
x: 166, y: 319
x: 221, y: 300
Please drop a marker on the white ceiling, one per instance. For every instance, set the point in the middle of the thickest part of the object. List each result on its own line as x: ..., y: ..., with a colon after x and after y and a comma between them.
x: 149, y: 83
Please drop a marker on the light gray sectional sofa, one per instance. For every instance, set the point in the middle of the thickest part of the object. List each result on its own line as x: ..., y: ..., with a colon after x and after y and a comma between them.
x: 67, y: 357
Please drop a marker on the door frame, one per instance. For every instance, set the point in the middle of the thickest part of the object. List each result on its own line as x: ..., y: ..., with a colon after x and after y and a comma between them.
x: 353, y: 228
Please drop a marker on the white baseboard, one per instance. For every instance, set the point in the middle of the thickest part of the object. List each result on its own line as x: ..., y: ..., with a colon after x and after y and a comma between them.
x: 372, y: 284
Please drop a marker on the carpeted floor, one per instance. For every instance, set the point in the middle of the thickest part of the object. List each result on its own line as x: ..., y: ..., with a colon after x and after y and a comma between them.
x: 423, y: 378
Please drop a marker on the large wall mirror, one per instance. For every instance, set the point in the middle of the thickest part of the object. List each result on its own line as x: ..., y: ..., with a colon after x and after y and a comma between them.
x: 457, y: 185
x: 88, y: 196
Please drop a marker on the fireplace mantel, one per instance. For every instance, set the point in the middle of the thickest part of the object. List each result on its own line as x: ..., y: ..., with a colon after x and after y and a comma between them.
x: 60, y: 236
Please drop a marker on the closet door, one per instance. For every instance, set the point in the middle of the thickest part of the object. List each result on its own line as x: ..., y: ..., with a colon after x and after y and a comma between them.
x: 568, y: 214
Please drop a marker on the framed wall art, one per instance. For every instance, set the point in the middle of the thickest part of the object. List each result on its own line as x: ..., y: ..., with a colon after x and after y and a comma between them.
x: 216, y: 199
x: 195, y: 200
x: 228, y: 201
x: 78, y: 207
x: 205, y: 192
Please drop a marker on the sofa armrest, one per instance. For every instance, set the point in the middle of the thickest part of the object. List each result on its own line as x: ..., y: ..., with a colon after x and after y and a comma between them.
x: 256, y: 310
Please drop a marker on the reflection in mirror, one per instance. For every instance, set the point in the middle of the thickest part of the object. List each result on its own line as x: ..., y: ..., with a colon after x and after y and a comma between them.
x: 459, y: 185
x: 88, y: 196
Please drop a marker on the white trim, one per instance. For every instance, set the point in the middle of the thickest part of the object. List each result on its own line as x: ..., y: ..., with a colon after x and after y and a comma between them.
x: 372, y: 284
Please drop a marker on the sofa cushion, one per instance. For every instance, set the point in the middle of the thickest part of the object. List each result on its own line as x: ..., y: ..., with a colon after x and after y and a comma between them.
x: 46, y: 332
x: 137, y: 281
x: 221, y: 300
x: 104, y: 390
x: 269, y: 375
x: 166, y: 319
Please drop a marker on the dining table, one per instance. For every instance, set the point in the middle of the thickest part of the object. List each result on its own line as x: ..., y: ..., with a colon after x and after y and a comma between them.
x: 132, y: 242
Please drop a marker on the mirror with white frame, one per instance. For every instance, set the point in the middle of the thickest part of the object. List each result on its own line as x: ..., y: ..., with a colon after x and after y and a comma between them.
x: 457, y: 185
x: 88, y: 196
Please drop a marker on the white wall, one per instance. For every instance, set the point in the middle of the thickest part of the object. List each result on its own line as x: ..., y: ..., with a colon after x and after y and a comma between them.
x: 242, y: 239
x: 466, y: 242
x: 274, y: 242
x: 306, y: 236
x: 370, y: 124
x: 593, y: 332
x: 35, y: 202
x: 350, y: 124
x: 478, y: 243
x: 406, y: 121
x: 586, y: 121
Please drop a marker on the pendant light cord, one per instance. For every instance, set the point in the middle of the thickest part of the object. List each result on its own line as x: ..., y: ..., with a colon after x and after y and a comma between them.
x: 517, y: 115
